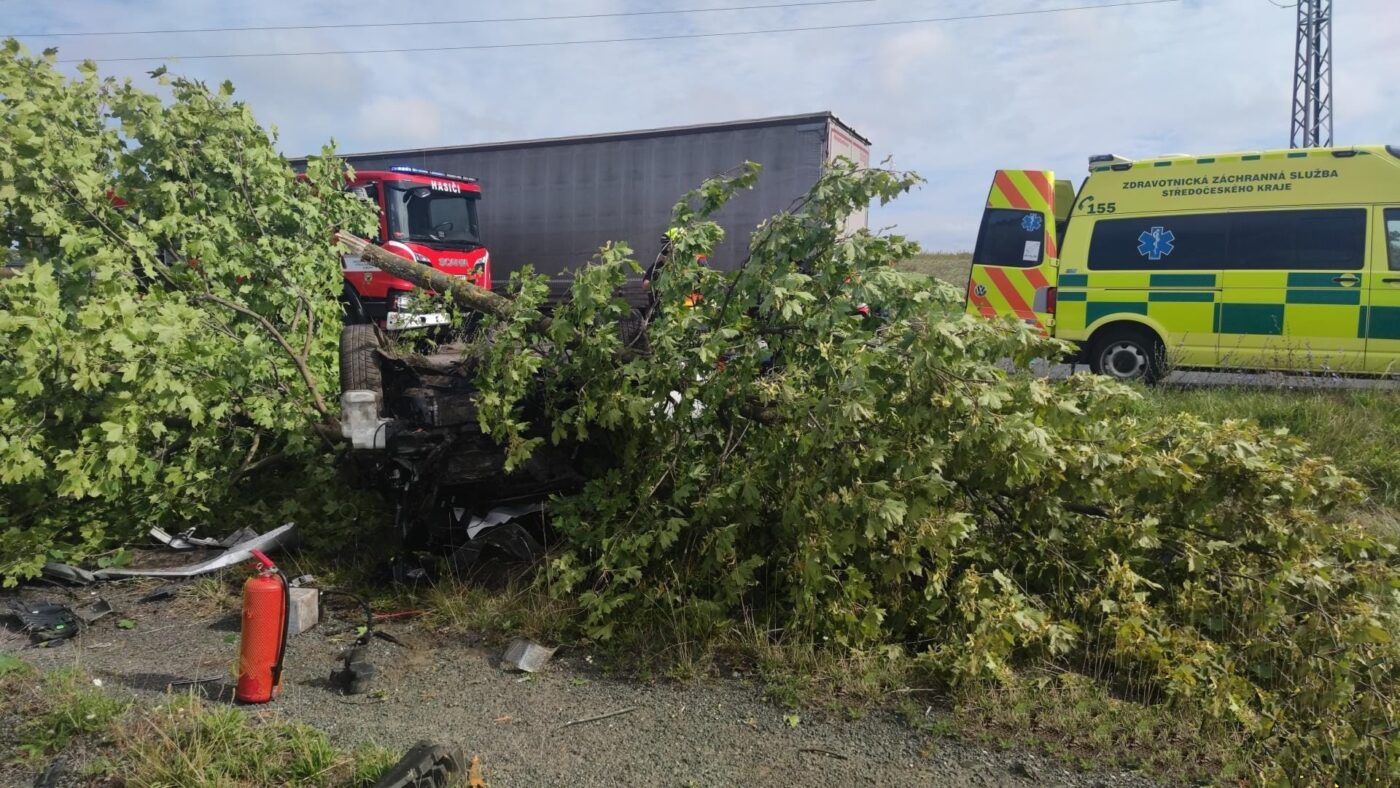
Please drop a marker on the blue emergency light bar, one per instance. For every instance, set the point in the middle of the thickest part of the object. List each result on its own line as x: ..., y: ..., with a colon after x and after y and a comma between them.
x: 432, y: 174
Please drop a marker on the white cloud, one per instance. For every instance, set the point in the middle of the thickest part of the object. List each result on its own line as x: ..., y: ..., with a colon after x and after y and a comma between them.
x: 954, y: 101
x: 395, y: 122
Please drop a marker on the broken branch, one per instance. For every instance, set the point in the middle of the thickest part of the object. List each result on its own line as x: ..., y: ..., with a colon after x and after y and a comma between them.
x: 617, y: 713
x: 462, y: 292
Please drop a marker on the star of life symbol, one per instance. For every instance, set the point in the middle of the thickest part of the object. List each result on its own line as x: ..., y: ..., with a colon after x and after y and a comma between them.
x: 1156, y: 243
x: 1031, y: 222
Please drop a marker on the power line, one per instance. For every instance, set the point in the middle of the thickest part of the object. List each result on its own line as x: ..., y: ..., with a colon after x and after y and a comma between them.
x: 601, y: 15
x: 586, y: 41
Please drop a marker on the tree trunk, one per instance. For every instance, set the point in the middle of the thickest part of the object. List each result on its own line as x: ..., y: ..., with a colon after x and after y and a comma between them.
x: 462, y: 292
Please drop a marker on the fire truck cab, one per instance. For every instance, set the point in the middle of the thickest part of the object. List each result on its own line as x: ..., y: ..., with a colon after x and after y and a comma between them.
x: 428, y: 217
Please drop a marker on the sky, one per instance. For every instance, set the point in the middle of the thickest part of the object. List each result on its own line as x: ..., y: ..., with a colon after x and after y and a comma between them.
x: 953, y: 101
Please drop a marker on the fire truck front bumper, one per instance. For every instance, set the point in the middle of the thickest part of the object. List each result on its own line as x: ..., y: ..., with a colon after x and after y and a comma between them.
x: 398, y: 321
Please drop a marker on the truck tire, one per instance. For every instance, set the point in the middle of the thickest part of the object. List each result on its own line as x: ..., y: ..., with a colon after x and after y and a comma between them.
x: 1128, y: 354
x: 359, y: 360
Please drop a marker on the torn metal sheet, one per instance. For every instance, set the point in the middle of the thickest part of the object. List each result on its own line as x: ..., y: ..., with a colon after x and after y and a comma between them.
x: 511, y: 539
x: 94, y: 611
x: 186, y: 540
x: 499, y: 515
x: 68, y: 574
x: 236, y: 554
x: 526, y: 655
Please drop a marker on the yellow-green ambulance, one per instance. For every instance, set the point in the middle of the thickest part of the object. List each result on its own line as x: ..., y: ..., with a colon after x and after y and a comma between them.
x: 1278, y: 260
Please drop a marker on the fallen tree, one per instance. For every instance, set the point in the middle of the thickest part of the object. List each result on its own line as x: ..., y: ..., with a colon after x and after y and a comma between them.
x: 169, y: 313
x: 905, y: 490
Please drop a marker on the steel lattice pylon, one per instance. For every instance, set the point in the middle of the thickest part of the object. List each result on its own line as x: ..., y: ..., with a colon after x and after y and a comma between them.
x: 1312, y: 76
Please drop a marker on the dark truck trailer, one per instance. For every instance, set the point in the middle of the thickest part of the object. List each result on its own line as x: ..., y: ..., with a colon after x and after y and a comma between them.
x: 552, y: 203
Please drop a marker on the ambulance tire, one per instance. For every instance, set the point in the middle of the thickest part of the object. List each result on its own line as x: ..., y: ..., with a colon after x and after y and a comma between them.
x: 359, y: 359
x: 1128, y: 353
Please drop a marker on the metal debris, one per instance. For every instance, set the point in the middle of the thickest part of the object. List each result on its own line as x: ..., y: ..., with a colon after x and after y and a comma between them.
x: 186, y: 540
x: 526, y: 655
x: 68, y: 574
x: 94, y: 611
x: 234, y: 555
x: 304, y: 610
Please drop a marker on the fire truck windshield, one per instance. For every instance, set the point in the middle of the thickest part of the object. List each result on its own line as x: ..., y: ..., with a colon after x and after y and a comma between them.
x: 432, y: 216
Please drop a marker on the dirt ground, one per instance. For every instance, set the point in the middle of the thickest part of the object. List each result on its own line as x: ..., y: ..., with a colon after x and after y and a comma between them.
x: 451, y: 688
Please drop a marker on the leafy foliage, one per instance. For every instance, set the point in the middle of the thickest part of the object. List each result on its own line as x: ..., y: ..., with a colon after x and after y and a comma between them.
x: 884, y: 481
x: 169, y: 307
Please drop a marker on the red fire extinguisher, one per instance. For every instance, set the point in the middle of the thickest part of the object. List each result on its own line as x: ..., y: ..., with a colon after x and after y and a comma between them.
x: 263, y: 643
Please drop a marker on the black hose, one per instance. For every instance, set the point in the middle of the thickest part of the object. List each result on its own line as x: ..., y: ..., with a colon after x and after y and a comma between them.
x: 286, y: 625
x: 369, y: 614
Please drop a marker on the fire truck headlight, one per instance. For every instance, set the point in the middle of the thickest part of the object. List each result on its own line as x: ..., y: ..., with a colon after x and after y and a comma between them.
x: 419, y: 258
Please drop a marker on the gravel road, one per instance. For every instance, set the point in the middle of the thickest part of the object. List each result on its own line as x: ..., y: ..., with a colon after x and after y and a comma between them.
x: 710, y: 732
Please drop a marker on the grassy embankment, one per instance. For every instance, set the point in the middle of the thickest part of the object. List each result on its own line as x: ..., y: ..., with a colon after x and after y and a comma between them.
x: 107, y: 739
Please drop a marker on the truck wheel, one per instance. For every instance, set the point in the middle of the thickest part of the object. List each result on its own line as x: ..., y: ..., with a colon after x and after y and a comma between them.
x: 352, y: 306
x: 359, y: 361
x: 1128, y: 354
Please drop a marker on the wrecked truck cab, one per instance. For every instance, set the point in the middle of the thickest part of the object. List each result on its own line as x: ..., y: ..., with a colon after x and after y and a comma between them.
x: 411, y: 422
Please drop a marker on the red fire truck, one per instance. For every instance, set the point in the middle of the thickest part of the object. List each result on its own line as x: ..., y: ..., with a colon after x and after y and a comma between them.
x: 425, y: 216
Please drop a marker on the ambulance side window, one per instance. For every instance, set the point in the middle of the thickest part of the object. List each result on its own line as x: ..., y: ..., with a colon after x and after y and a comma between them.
x: 1160, y: 243
x: 1011, y: 238
x: 1392, y: 237
x: 1331, y: 239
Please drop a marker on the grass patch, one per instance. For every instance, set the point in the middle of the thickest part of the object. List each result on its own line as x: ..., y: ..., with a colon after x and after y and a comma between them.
x: 1063, y: 716
x: 1358, y: 429
x: 187, y: 741
x: 181, y: 741
x: 1073, y: 720
x: 842, y: 682
x: 952, y: 267
x: 51, y: 712
x: 514, y: 609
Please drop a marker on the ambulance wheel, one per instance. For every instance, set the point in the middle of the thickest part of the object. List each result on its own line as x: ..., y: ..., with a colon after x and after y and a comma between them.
x: 1128, y: 354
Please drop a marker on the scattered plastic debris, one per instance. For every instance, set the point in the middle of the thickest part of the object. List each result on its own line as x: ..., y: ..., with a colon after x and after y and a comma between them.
x: 429, y: 765
x: 356, y: 673
x: 526, y: 655
x: 46, y: 622
x: 164, y: 592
